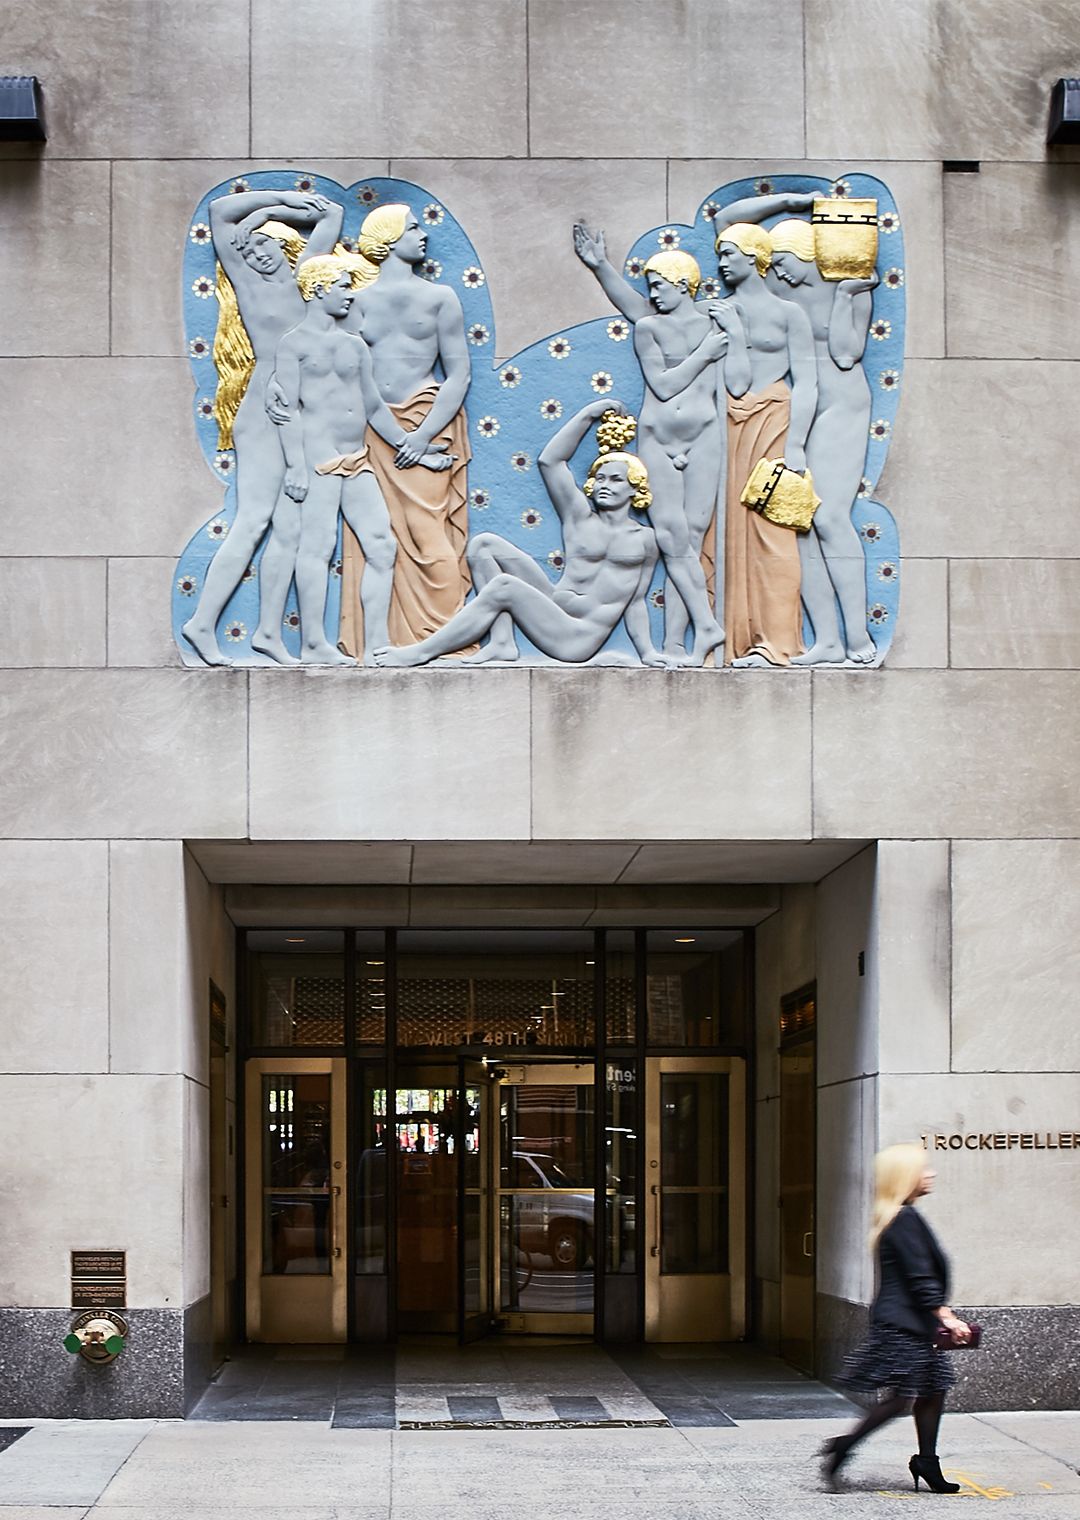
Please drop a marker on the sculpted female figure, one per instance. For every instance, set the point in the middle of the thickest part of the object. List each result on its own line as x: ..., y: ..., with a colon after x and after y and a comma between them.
x: 260, y: 279
x: 833, y: 563
x: 762, y: 612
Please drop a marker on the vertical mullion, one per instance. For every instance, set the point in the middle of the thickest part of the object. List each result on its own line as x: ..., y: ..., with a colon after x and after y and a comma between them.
x: 390, y: 1036
x: 353, y: 1111
x: 600, y: 1100
x: 242, y: 1014
x: 641, y: 998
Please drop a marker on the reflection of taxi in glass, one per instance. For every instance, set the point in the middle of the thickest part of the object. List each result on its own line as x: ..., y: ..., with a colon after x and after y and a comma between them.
x: 558, y: 1219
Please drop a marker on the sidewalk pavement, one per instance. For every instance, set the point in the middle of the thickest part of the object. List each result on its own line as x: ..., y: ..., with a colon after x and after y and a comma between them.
x: 1022, y: 1464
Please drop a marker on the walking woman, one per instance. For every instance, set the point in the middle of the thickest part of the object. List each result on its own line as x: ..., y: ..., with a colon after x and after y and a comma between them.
x: 899, y: 1361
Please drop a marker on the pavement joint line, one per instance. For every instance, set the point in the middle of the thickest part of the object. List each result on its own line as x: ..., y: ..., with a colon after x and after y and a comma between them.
x: 988, y: 1420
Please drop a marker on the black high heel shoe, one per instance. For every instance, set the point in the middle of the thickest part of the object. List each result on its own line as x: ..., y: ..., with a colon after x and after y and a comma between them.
x: 833, y: 1455
x: 929, y: 1470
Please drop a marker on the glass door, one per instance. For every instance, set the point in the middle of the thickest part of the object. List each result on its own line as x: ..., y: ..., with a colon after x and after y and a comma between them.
x: 295, y: 1224
x: 546, y: 1198
x: 473, y: 1142
x: 695, y: 1134
x: 427, y: 1138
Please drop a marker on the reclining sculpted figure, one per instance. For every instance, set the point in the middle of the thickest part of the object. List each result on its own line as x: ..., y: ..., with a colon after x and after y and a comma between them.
x: 610, y: 558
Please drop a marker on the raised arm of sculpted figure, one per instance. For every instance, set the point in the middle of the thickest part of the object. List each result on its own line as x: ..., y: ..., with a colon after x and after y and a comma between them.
x: 610, y: 557
x: 259, y: 238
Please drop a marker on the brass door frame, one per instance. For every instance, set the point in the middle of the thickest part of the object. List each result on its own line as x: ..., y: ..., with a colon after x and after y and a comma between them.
x: 798, y: 1294
x: 472, y: 1324
x: 302, y: 1309
x: 537, y: 1074
x: 691, y: 1306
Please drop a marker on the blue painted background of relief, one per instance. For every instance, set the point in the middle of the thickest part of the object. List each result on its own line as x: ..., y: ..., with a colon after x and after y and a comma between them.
x: 513, y: 408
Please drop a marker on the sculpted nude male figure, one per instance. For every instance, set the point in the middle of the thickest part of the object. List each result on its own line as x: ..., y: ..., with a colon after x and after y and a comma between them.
x: 325, y: 379
x: 839, y: 311
x: 411, y: 325
x: 269, y: 304
x: 682, y: 437
x: 610, y: 559
x: 682, y: 443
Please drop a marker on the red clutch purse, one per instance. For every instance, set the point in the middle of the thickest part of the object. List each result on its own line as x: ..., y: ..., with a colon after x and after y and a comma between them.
x: 944, y: 1339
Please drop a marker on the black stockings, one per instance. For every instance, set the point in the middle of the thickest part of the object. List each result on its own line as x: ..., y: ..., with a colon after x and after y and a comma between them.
x: 927, y: 1411
x: 927, y: 1419
x: 874, y: 1417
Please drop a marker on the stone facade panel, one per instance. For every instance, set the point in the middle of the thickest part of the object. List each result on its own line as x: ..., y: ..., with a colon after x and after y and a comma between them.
x: 982, y: 739
x: 1016, y: 935
x: 593, y: 93
x: 392, y: 755
x: 702, y: 728
x: 54, y: 292
x: 53, y: 612
x: 1017, y: 614
x: 99, y: 457
x: 107, y: 754
x: 399, y: 76
x: 131, y: 80
x: 53, y: 925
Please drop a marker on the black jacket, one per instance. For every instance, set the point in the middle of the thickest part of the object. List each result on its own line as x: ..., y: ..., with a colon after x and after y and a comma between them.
x: 913, y: 1275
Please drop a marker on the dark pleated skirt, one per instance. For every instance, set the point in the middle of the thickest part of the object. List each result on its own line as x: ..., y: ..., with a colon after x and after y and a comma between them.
x: 897, y: 1363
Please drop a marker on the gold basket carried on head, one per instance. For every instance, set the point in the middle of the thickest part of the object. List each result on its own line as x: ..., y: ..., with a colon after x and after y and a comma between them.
x: 845, y: 237
x: 781, y: 495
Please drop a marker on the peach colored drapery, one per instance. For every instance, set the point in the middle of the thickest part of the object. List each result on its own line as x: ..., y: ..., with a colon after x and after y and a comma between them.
x: 348, y: 466
x: 762, y: 612
x: 429, y: 515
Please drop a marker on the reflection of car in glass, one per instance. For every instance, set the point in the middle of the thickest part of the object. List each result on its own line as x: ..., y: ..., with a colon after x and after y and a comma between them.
x: 557, y: 1223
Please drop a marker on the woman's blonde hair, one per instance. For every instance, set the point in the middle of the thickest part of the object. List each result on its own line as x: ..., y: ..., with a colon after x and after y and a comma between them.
x: 636, y: 474
x: 898, y: 1170
x: 673, y: 265
x: 749, y: 239
x: 234, y: 357
x: 795, y: 237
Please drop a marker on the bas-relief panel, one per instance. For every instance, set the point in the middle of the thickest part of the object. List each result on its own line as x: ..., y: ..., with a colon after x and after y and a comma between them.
x: 627, y: 491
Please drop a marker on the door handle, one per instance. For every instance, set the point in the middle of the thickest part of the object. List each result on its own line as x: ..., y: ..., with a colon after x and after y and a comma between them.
x: 655, y: 1248
x: 335, y: 1195
x: 807, y: 1243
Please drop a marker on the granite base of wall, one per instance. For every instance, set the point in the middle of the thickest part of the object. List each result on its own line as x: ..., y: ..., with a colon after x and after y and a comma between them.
x: 839, y: 1326
x: 198, y: 1351
x: 40, y: 1380
x: 1029, y: 1357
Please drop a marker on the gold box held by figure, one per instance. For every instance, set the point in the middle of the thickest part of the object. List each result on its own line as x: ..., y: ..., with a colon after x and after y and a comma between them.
x: 781, y: 495
x: 845, y: 237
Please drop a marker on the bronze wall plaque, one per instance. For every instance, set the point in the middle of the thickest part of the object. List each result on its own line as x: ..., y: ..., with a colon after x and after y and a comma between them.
x: 98, y: 1295
x: 99, y: 1264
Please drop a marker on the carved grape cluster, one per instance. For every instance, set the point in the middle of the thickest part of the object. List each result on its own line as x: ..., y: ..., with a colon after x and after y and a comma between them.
x: 614, y: 432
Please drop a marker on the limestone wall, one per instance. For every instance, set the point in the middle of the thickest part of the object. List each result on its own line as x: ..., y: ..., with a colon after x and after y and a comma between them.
x: 521, y: 114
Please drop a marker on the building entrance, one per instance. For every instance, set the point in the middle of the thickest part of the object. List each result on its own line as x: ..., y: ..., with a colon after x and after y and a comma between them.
x: 573, y: 1164
x: 496, y: 1215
